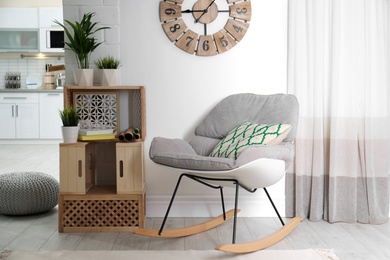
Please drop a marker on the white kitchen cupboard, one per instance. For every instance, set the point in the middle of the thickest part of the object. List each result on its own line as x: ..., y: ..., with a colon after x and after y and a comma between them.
x: 19, y: 30
x: 48, y: 29
x: 19, y: 40
x: 15, y: 17
x: 7, y: 117
x: 49, y: 118
x: 47, y: 15
x: 20, y: 114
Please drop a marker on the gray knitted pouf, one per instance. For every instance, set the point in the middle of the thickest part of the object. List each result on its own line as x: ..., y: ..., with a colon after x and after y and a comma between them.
x: 27, y: 193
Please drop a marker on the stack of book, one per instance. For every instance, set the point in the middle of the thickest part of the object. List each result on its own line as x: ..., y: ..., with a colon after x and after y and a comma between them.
x: 96, y: 134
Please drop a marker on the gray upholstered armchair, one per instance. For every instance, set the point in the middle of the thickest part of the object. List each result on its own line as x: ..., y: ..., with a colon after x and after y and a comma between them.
x: 245, y: 141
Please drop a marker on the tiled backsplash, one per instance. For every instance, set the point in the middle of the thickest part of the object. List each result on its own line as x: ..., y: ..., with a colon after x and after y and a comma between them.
x: 26, y: 66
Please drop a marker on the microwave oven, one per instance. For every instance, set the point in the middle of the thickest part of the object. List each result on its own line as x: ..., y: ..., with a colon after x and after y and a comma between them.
x: 51, y: 40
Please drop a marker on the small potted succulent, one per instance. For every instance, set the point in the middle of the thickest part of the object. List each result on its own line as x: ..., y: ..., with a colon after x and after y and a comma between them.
x: 70, y: 121
x: 81, y: 40
x: 109, y: 72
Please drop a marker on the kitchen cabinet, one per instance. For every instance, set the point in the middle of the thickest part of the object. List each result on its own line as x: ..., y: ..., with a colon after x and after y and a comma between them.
x: 47, y: 15
x: 49, y: 118
x: 19, y: 40
x: 19, y: 114
x: 30, y: 29
x: 11, y: 17
x: 50, y: 33
x: 7, y: 117
x: 15, y: 17
x: 31, y: 115
x: 19, y: 30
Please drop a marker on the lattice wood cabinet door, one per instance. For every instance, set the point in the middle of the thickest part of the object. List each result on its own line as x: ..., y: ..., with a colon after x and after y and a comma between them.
x: 101, y: 213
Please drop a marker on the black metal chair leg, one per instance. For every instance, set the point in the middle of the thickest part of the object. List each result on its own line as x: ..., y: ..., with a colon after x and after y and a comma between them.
x: 273, y: 205
x: 223, y: 203
x: 200, y: 179
x: 170, y: 205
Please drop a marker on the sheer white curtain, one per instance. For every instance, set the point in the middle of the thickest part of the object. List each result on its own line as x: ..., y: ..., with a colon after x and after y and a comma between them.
x: 339, y: 70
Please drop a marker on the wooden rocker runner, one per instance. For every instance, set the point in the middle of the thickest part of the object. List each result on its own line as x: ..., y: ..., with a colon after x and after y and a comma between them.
x: 246, y: 141
x: 233, y: 248
x: 261, y: 243
x: 187, y: 231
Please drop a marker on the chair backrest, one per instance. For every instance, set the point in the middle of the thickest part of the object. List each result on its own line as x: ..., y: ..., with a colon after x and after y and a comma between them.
x: 238, y: 108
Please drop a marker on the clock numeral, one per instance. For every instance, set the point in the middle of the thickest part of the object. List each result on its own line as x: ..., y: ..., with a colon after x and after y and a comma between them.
x: 169, y: 11
x: 236, y: 28
x: 241, y: 10
x: 224, y: 41
x: 206, y: 46
x: 174, y: 29
x: 187, y: 42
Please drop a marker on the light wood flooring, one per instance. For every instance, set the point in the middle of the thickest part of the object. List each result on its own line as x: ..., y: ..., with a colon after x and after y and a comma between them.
x: 39, y: 232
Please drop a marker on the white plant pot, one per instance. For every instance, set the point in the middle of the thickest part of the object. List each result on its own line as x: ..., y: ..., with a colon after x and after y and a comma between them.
x: 70, y: 134
x: 109, y: 77
x: 83, y: 77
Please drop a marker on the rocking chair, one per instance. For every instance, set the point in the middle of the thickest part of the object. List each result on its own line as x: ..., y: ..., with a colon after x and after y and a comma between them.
x: 245, y: 141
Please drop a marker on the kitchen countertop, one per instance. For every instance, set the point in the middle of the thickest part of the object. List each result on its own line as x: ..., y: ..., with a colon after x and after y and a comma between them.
x: 26, y: 90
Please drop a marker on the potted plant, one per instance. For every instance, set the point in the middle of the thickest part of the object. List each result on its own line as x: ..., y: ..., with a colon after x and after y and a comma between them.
x: 82, y: 42
x: 109, y: 72
x: 70, y: 121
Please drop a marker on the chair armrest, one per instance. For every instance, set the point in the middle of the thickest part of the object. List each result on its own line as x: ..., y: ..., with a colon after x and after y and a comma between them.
x: 178, y: 153
x: 161, y: 145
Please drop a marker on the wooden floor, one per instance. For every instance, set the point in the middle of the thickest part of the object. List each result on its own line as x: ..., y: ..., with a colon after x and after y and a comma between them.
x: 39, y: 232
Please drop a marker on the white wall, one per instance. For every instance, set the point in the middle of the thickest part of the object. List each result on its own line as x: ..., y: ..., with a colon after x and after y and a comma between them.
x: 182, y: 88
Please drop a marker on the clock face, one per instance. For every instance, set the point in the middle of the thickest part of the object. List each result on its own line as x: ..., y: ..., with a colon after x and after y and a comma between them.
x: 204, y: 35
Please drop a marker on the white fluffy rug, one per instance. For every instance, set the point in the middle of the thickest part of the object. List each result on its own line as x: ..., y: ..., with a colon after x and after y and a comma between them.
x: 309, y: 254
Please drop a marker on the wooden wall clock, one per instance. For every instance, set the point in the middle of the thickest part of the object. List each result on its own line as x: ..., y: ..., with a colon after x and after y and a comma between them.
x: 205, y: 12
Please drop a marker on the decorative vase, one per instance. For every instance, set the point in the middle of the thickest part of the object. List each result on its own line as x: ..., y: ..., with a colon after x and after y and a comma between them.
x: 109, y: 77
x: 70, y: 134
x: 83, y: 77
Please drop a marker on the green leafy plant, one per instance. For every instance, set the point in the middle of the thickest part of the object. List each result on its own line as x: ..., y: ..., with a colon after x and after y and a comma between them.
x: 108, y: 62
x: 82, y: 41
x: 69, y: 116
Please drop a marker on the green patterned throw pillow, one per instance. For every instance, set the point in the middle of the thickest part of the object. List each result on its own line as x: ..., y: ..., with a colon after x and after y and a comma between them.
x: 247, y: 134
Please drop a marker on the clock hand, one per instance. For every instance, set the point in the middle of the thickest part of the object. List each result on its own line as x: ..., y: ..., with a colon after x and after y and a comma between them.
x: 205, y: 11
x: 191, y: 11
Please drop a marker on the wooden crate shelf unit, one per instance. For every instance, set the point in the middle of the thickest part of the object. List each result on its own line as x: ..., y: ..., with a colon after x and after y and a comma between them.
x: 102, y: 182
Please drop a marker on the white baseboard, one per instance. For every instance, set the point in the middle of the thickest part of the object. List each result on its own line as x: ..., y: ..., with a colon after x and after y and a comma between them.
x: 210, y: 206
